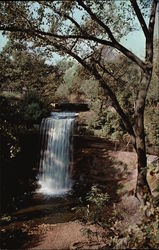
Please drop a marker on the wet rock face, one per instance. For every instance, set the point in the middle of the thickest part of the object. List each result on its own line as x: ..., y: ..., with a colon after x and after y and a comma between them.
x: 153, y: 175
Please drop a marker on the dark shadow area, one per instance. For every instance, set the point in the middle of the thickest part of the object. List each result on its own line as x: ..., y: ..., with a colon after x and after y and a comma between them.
x: 19, y: 228
x: 94, y: 166
x: 18, y: 174
x: 19, y: 239
x: 28, y: 209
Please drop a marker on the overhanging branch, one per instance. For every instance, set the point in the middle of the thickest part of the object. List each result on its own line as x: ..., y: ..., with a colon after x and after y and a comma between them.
x: 95, y: 18
x: 116, y: 45
x: 114, y: 42
x: 63, y: 15
x: 130, y: 55
x: 92, y: 69
x: 140, y: 17
x: 50, y: 34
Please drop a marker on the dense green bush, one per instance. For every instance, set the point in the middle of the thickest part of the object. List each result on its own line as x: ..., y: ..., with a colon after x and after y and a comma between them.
x: 9, y: 127
x: 31, y: 108
x: 17, y: 115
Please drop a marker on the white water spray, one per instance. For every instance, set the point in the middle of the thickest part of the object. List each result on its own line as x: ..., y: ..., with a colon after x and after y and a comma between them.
x: 56, y: 153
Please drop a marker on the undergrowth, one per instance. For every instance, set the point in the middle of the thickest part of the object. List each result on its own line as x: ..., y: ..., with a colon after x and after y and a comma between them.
x: 110, y: 231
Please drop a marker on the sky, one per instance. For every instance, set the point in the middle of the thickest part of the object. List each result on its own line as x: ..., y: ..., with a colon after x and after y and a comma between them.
x: 134, y: 41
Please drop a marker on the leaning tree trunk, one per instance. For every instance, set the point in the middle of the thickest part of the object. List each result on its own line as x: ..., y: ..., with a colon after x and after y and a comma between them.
x: 142, y: 187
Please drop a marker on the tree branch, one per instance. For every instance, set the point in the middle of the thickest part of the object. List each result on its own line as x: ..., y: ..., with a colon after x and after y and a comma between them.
x: 152, y: 18
x: 102, y: 83
x: 146, y: 76
x: 116, y: 104
x: 28, y: 30
x: 149, y: 40
x: 140, y: 17
x: 95, y: 18
x: 130, y: 55
x: 105, y: 70
x: 116, y: 45
x: 61, y: 47
x: 64, y: 15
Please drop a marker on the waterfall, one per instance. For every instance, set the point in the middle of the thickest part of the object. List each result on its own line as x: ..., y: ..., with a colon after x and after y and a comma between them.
x: 56, y: 153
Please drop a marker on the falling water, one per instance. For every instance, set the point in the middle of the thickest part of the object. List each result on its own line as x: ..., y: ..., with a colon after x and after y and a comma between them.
x: 56, y: 153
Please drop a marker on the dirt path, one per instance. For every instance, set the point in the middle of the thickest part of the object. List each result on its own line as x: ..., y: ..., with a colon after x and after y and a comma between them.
x: 63, y: 235
x: 58, y: 236
x: 116, y: 171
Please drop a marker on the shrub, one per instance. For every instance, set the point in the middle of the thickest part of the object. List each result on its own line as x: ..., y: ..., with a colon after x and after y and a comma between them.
x: 143, y: 235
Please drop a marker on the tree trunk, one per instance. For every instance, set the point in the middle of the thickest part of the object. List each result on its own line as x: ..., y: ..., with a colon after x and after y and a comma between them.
x: 142, y: 187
